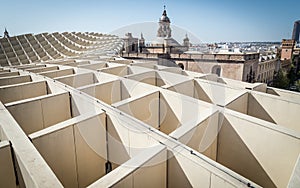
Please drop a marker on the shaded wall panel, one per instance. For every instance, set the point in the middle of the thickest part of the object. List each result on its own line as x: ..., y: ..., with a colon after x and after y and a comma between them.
x: 7, y: 174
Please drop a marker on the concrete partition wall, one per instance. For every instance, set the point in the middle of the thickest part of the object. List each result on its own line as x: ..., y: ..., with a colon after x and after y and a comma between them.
x: 202, y: 136
x: 125, y: 139
x: 42, y: 69
x: 261, y: 87
x: 7, y: 74
x: 93, y: 66
x: 247, y: 104
x: 144, y: 108
x: 118, y: 70
x: 14, y: 80
x: 153, y: 173
x: 2, y: 134
x: 186, y: 88
x: 22, y: 91
x: 7, y: 174
x: 240, y: 104
x: 269, y: 108
x: 284, y: 94
x: 110, y: 92
x: 275, y: 110
x: 152, y: 109
x: 186, y: 169
x: 251, y: 147
x: 75, y: 152
x: 58, y: 73
x: 121, y: 61
x: 175, y: 70
x: 78, y: 80
x: 41, y: 112
x: 150, y: 77
x: 216, y: 93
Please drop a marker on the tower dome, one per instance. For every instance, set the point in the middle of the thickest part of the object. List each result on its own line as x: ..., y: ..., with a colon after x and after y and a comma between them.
x: 164, y: 17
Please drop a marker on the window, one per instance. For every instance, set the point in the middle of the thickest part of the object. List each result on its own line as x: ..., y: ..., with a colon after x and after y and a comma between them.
x: 216, y: 70
x: 181, y: 66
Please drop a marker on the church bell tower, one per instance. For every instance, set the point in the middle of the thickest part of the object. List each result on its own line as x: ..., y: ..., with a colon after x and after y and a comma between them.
x: 164, y: 29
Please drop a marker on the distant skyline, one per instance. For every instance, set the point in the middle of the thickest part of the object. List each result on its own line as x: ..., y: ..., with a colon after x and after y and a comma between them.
x: 209, y: 21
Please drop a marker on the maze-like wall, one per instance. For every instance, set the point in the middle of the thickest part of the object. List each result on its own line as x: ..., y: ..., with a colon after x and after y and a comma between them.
x: 29, y: 48
x: 78, y: 115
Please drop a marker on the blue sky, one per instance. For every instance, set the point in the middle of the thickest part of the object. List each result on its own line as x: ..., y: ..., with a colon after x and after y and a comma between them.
x: 210, y: 20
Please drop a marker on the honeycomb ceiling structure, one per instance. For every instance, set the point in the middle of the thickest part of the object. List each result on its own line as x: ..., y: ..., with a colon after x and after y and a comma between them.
x: 75, y: 114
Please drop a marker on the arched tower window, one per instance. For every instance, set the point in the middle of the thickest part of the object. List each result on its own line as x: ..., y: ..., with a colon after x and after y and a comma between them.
x: 181, y: 66
x: 216, y: 70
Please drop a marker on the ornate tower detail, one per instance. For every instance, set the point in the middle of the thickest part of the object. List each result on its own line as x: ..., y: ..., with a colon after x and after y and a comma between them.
x: 141, y: 43
x: 6, y: 34
x: 164, y: 29
x: 186, y: 41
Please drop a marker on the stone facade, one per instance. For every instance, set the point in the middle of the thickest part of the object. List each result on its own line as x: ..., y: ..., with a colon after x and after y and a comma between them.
x: 130, y: 43
x: 288, y: 46
x: 267, y: 67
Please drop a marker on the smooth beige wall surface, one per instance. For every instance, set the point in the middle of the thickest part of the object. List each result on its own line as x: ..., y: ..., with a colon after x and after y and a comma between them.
x: 94, y: 66
x: 256, y: 109
x: 37, y: 114
x: 119, y: 70
x: 153, y: 173
x: 144, y: 109
x: 185, y: 88
x: 240, y: 104
x: 252, y: 149
x: 195, y: 173
x: 58, y: 150
x: 58, y: 73
x: 24, y: 91
x: 14, y: 80
x: 6, y: 74
x: 128, y: 138
x: 204, y: 137
x: 234, y: 154
x: 76, y: 153
x: 7, y: 174
x: 176, y: 176
x: 78, y: 80
x: 278, y: 110
x: 200, y: 94
x: 43, y: 69
x: 168, y: 121
x: 109, y: 93
x: 90, y: 145
x: 148, y: 77
x: 285, y: 94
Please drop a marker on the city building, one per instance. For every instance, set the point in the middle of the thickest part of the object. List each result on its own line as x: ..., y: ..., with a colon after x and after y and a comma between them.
x: 287, y: 49
x: 267, y: 66
x: 164, y: 43
x: 234, y: 65
x: 131, y: 44
x: 290, y: 55
x: 296, y: 31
